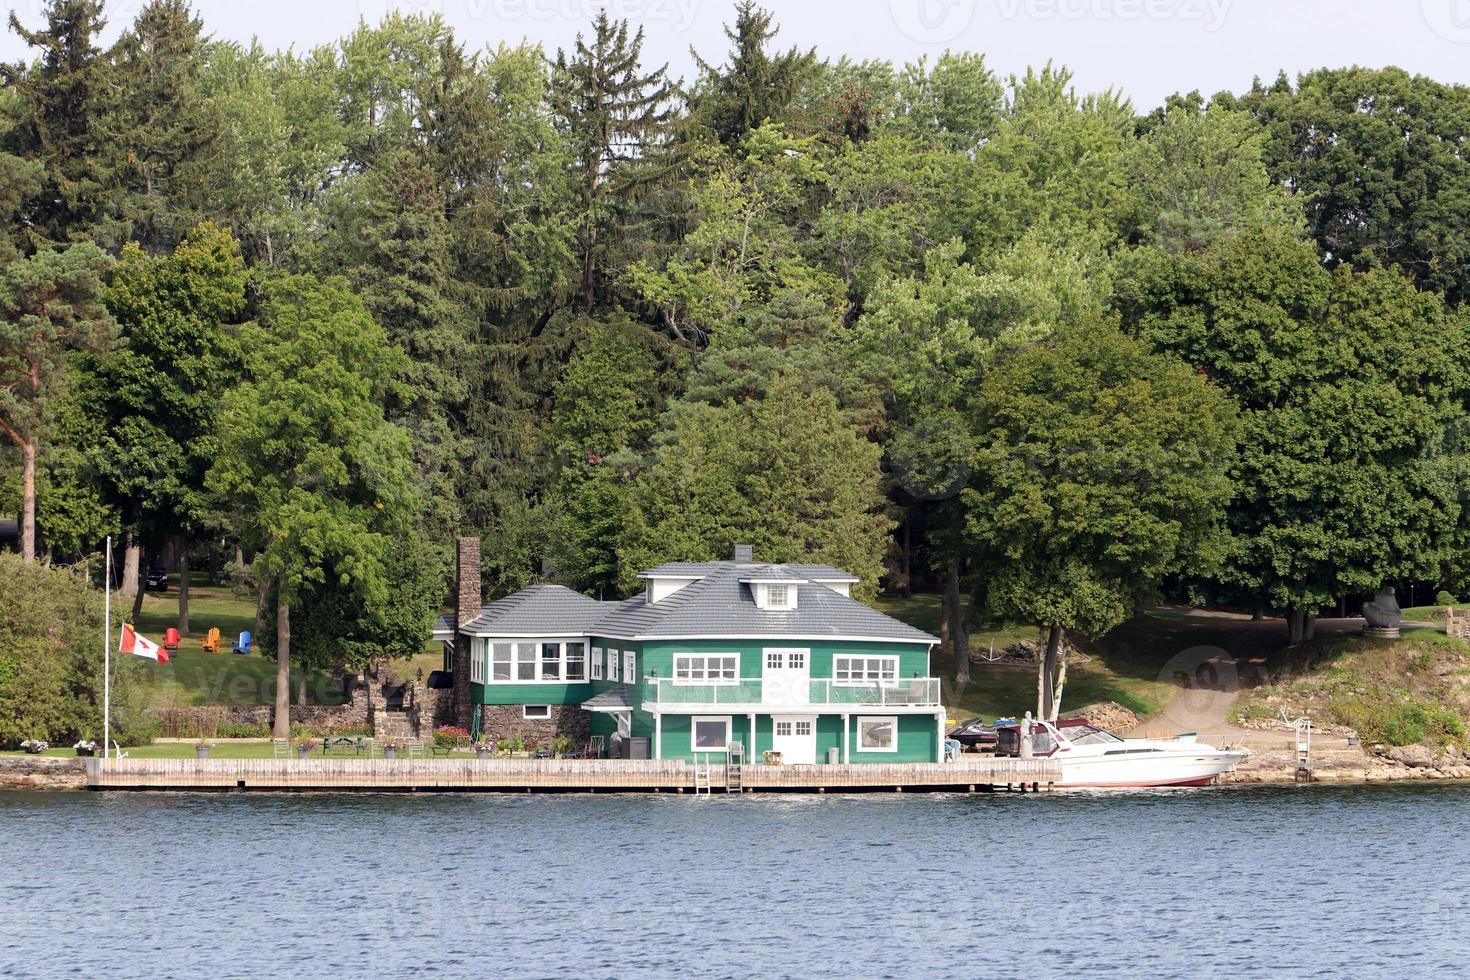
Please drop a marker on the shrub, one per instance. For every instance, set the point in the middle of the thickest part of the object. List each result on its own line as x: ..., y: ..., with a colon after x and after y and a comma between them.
x: 1443, y: 598
x: 512, y: 743
x: 50, y: 669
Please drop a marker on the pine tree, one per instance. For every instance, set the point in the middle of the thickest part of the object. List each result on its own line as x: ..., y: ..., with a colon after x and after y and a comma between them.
x: 169, y: 129
x: 61, y: 125
x: 618, y: 119
x: 755, y: 86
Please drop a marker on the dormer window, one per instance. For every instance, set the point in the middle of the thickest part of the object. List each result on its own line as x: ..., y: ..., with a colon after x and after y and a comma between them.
x: 773, y: 595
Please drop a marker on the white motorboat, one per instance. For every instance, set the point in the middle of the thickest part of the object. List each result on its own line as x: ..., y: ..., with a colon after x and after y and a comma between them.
x: 1091, y: 757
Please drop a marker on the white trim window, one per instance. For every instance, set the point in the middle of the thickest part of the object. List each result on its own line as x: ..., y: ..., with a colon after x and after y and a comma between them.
x: 877, y: 734
x: 597, y: 663
x: 630, y: 667
x: 477, y: 661
x: 501, y: 666
x: 709, y: 733
x: 863, y: 671
x: 526, y: 661
x: 536, y: 712
x: 576, y: 654
x: 778, y: 596
x: 612, y: 665
x: 706, y: 668
x: 551, y: 661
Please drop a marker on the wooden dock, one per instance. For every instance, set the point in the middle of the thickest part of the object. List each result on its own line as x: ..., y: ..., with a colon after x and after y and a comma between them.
x: 557, y: 776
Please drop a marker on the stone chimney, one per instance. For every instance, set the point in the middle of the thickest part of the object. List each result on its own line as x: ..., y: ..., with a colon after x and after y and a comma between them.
x: 467, y: 601
x: 744, y: 553
x: 467, y: 585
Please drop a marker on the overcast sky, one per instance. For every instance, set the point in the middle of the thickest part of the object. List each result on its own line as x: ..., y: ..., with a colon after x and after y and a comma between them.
x: 1148, y: 48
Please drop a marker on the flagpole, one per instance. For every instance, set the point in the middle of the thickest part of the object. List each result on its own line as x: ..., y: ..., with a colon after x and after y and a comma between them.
x: 107, y: 652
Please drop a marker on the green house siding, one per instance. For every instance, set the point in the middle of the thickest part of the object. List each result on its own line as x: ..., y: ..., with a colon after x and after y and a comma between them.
x: 917, y: 737
x: 913, y: 658
x: 548, y: 693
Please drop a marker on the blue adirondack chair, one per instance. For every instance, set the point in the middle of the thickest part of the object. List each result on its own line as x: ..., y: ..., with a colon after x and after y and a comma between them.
x: 243, y: 644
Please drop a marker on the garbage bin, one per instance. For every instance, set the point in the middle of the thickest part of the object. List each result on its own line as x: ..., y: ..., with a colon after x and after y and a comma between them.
x: 834, y: 755
x: 637, y: 748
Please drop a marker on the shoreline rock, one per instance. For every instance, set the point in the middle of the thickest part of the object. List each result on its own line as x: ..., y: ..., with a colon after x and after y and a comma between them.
x: 42, y: 772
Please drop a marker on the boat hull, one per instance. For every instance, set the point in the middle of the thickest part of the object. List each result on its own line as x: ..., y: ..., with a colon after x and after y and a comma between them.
x: 1151, y: 770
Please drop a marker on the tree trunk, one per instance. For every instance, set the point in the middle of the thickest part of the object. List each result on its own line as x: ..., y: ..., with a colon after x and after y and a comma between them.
x: 301, y: 687
x: 142, y: 581
x: 1296, y: 621
x: 907, y: 590
x: 1049, y: 702
x: 262, y: 596
x: 959, y: 637
x: 183, y: 585
x: 129, y: 586
x: 281, y: 727
x: 945, y: 640
x: 28, y: 500
x: 1309, y: 629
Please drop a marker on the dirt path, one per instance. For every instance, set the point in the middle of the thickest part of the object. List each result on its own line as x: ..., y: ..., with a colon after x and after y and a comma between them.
x: 1214, y: 675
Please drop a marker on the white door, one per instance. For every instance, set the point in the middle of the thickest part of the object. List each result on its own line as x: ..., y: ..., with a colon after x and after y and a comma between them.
x: 787, y: 677
x: 795, y: 737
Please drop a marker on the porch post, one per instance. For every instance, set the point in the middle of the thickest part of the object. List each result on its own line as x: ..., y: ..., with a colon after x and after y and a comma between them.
x: 939, y: 726
x: 846, y: 724
x: 750, y: 748
x: 658, y: 735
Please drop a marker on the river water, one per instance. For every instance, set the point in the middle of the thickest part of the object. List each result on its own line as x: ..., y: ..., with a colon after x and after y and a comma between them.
x: 1314, y: 881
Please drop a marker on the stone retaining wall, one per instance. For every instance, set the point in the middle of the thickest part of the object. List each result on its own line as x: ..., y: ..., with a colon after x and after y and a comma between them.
x: 42, y: 772
x: 498, y: 721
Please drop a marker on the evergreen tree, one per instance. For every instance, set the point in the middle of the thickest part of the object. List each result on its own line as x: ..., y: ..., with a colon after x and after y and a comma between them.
x: 755, y: 86
x: 171, y: 132
x: 617, y: 117
x: 62, y: 123
x: 50, y: 307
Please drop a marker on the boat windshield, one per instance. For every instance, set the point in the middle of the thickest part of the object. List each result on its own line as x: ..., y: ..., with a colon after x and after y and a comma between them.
x: 1087, y: 735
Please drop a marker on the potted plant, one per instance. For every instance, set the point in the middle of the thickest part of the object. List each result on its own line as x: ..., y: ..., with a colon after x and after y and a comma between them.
x: 561, y: 745
x: 304, y: 749
x: 391, y: 747
x: 35, y: 746
x: 202, y: 747
x: 86, y: 747
x: 513, y: 744
x: 483, y: 749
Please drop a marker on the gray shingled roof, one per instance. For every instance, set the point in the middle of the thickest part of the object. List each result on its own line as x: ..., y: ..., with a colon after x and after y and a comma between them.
x: 699, y: 569
x: 444, y: 624
x: 552, y: 610
x: 613, y: 699
x: 719, y: 605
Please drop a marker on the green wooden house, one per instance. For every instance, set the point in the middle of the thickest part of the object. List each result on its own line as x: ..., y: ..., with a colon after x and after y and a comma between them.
x: 710, y: 656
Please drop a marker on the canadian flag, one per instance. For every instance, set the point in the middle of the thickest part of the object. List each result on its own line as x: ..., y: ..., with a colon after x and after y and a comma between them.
x: 141, y: 646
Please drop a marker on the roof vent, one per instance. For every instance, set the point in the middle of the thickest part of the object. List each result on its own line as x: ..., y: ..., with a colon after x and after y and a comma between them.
x: 744, y: 553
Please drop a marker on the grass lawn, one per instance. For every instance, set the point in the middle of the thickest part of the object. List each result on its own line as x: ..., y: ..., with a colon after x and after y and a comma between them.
x: 195, y: 677
x: 1125, y: 665
x: 184, y: 750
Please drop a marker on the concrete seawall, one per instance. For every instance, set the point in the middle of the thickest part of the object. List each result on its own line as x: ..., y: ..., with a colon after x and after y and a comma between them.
x: 552, y: 775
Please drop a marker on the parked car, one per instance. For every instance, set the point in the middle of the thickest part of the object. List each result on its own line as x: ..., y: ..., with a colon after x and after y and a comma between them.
x: 974, y: 733
x: 157, y: 580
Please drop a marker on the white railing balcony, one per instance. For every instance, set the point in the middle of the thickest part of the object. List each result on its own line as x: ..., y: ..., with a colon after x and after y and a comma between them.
x: 754, y: 692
